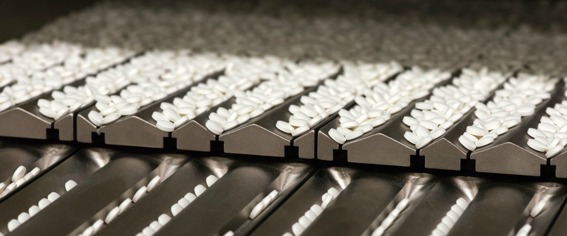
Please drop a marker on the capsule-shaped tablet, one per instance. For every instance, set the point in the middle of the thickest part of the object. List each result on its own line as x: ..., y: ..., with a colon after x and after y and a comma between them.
x: 70, y: 184
x: 164, y: 219
x: 299, y: 131
x: 284, y: 126
x: 183, y: 202
x: 112, y: 215
x: 257, y: 210
x: 553, y: 151
x: 190, y: 197
x: 214, y: 127
x: 297, y: 229
x: 199, y: 189
x: 53, y: 196
x: 13, y: 224
x: 33, y: 210
x: 43, y: 203
x: 124, y: 205
x: 139, y: 194
x: 19, y: 173
x: 153, y: 183
x: 537, y: 145
x: 336, y: 136
x: 175, y: 209
x: 467, y: 143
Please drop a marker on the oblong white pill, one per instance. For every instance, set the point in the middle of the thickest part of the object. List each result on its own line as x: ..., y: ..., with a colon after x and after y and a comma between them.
x: 336, y: 136
x: 537, y: 145
x: 96, y: 118
x: 23, y: 217
x: 304, y: 221
x: 199, y: 189
x: 139, y: 194
x: 316, y: 209
x: 183, y: 202
x: 300, y: 130
x: 153, y: 183
x: 211, y: 179
x: 353, y: 135
x: 112, y: 215
x: 488, y: 139
x: 333, y: 191
x: 43, y: 203
x: 13, y: 224
x: 257, y: 210
x: 467, y: 143
x: 297, y: 229
x: 164, y: 219
x: 476, y: 131
x: 190, y: 196
x: 19, y: 173
x: 97, y: 225
x: 214, y: 127
x: 553, y: 151
x: 175, y: 209
x: 461, y: 202
x: 70, y: 184
x: 311, y: 215
x: 155, y: 225
x: 124, y: 205
x: 284, y: 126
x: 33, y: 210
x: 53, y: 196
x: 411, y: 137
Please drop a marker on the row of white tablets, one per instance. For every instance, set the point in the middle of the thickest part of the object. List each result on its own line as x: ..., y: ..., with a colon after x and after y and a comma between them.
x: 122, y: 207
x: 177, y: 207
x: 206, y: 95
x: 19, y: 177
x: 329, y: 98
x: 98, y: 86
x: 74, y: 67
x: 72, y: 98
x: 550, y: 136
x: 313, y: 212
x: 251, y: 104
x: 517, y: 99
x: 392, y: 216
x: 10, y: 49
x: 452, y: 216
x: 135, y: 96
x: 375, y: 106
x: 33, y: 210
x: 431, y: 118
x: 260, y: 206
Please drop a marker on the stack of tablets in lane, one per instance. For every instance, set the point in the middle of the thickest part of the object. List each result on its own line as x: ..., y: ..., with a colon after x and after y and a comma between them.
x: 19, y: 178
x: 260, y: 206
x: 550, y: 135
x: 452, y: 216
x: 517, y: 99
x: 251, y: 104
x: 38, y: 70
x: 431, y: 118
x: 375, y: 106
x: 9, y: 50
x: 313, y: 212
x: 33, y: 210
x: 333, y: 95
x: 122, y: 207
x: 169, y: 73
x: 72, y: 98
x: 392, y: 216
x: 177, y: 207
x: 240, y: 74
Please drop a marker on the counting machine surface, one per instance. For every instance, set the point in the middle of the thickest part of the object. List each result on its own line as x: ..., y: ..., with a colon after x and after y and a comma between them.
x: 268, y: 181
